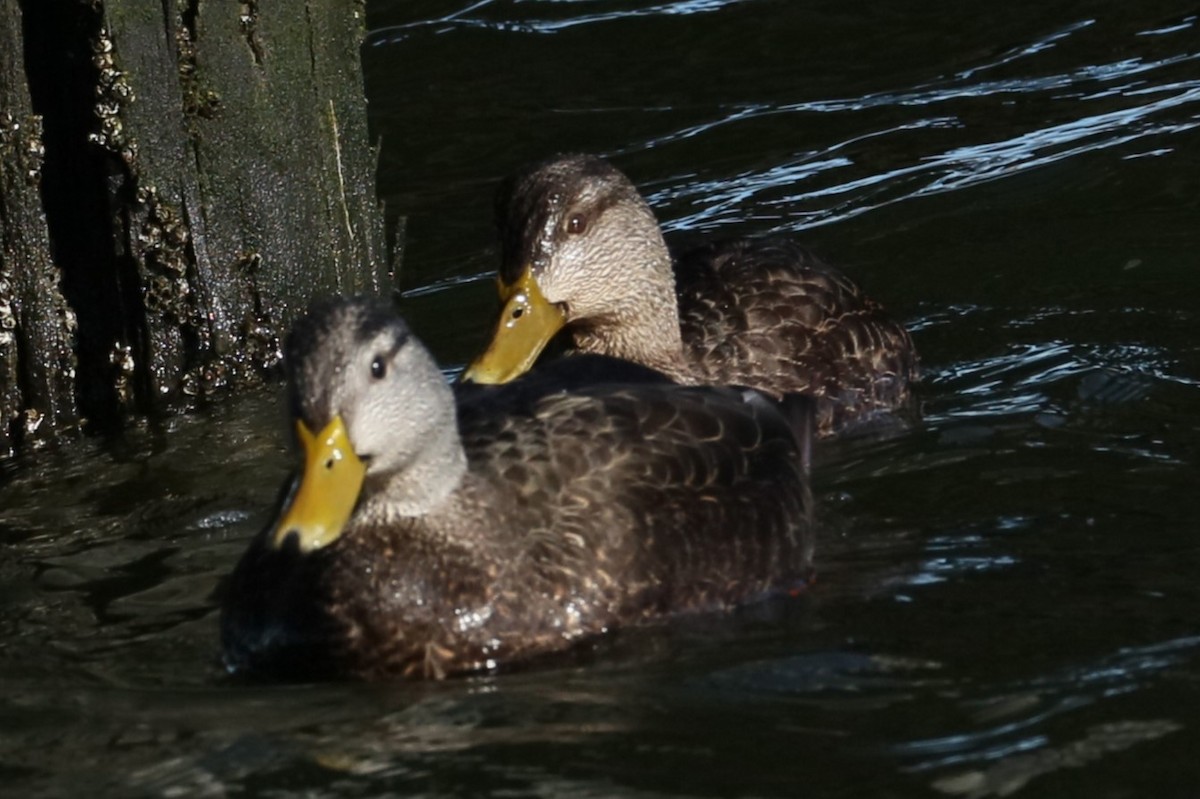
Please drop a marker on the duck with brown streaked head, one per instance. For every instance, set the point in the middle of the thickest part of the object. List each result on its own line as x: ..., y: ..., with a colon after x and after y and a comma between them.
x: 436, y: 531
x: 581, y: 249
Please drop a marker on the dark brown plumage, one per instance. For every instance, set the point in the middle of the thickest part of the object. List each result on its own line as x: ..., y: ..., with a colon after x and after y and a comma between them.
x: 582, y: 249
x: 514, y: 522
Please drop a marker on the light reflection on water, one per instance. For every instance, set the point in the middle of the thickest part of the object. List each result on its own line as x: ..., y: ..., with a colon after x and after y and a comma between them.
x: 725, y: 198
x: 395, y: 34
x: 1007, y: 596
x: 1021, y: 708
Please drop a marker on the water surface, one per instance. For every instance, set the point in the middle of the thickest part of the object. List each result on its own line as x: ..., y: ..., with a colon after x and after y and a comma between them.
x: 1007, y: 602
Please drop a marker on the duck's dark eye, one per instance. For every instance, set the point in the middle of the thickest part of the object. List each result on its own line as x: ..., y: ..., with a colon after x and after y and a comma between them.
x: 378, y: 367
x: 576, y: 224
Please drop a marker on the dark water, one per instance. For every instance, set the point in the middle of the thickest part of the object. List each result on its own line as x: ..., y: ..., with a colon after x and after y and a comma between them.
x: 1009, y: 599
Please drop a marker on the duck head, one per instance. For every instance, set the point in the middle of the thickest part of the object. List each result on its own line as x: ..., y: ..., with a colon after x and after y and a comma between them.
x: 581, y: 249
x: 374, y: 418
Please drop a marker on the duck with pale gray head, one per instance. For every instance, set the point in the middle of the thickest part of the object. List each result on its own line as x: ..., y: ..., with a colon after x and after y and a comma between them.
x: 437, y: 530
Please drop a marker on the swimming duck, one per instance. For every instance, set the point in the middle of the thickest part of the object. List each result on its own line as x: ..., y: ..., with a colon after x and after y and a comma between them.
x: 582, y: 250
x: 436, y: 531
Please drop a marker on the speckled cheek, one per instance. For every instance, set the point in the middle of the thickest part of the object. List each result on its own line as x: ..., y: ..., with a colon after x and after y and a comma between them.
x: 579, y: 280
x: 551, y: 283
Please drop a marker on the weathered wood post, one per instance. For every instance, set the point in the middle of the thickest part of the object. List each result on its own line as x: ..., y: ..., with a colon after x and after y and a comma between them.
x: 203, y: 170
x: 37, y: 360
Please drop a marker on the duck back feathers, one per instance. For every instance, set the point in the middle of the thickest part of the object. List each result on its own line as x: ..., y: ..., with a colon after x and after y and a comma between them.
x: 770, y: 314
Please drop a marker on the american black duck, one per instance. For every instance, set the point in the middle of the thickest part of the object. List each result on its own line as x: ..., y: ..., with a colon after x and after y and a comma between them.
x: 581, y: 249
x: 433, y: 533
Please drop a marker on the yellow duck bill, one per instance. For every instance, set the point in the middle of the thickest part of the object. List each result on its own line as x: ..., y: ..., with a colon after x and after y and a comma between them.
x: 527, y: 323
x: 333, y: 476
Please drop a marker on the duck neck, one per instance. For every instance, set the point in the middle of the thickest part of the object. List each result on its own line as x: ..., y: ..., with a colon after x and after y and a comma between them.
x: 425, y: 485
x: 644, y: 326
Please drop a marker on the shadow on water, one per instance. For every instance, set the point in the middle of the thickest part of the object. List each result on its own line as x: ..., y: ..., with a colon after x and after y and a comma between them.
x: 1007, y: 601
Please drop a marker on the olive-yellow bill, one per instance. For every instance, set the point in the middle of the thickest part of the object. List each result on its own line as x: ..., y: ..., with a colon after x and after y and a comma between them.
x: 527, y: 323
x: 333, y: 476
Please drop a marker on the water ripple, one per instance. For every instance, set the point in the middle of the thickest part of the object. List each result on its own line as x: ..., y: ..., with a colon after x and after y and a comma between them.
x: 459, y: 19
x: 1037, y: 46
x: 1010, y: 747
x: 1184, y: 25
x: 722, y: 201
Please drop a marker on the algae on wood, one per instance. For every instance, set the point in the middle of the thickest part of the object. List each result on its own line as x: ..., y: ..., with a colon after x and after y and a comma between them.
x: 207, y: 172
